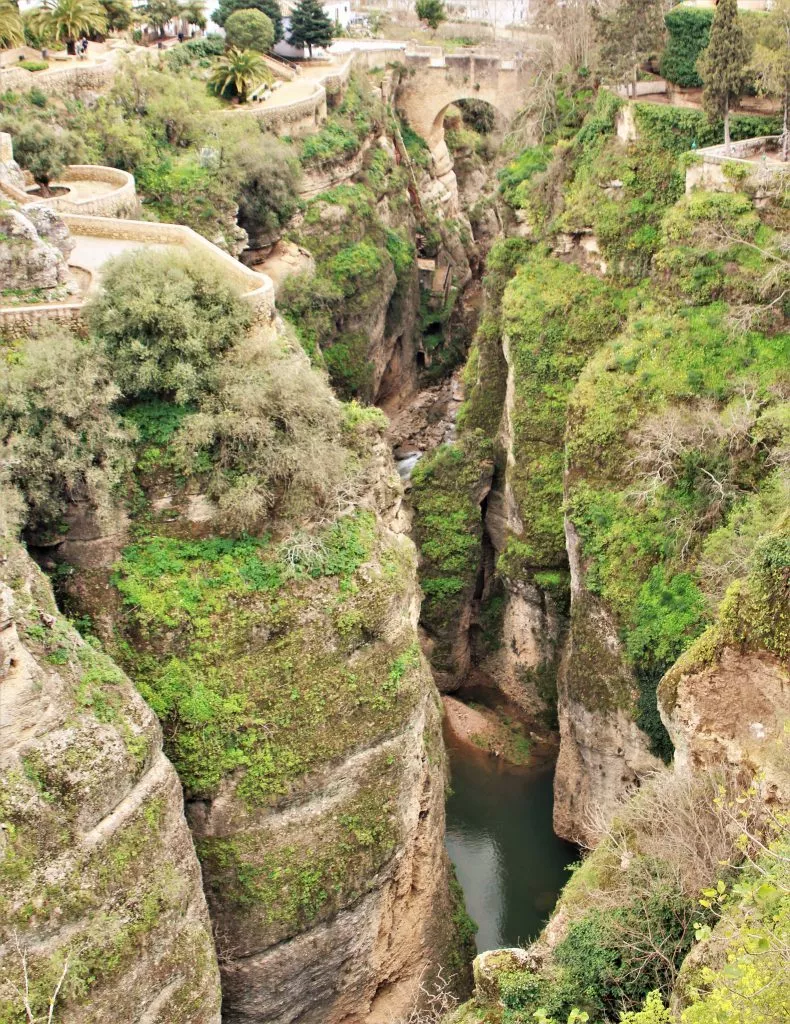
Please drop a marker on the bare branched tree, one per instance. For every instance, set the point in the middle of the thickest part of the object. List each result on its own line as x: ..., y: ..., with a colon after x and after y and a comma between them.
x: 24, y: 992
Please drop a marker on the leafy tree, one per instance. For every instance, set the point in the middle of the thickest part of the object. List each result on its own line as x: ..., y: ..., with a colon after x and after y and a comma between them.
x: 163, y: 320
x: 11, y: 30
x: 310, y: 26
x: 44, y: 150
x: 432, y: 12
x: 159, y: 13
x: 263, y: 172
x: 248, y: 29
x: 68, y: 20
x: 723, y: 65
x: 629, y: 35
x: 118, y: 14
x: 194, y: 13
x: 771, y: 62
x: 238, y: 73
x: 59, y: 438
x: 271, y: 8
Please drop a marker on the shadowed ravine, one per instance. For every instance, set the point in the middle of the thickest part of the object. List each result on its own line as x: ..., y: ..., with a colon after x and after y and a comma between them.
x: 499, y: 837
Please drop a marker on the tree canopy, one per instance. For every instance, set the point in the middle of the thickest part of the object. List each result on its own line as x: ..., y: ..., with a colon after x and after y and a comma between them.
x: 271, y: 8
x: 432, y: 12
x: 249, y: 29
x: 723, y: 66
x: 68, y: 20
x: 629, y: 35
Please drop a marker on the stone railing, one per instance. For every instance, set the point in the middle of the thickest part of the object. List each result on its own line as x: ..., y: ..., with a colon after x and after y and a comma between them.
x: 293, y: 116
x: 759, y: 167
x: 256, y: 289
x: 762, y: 147
x: 298, y: 116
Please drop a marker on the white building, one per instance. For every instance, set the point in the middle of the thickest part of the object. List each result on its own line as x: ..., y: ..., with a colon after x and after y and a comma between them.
x: 499, y: 13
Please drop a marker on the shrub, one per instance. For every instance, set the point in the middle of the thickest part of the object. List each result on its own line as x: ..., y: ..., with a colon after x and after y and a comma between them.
x: 271, y: 438
x: 268, y: 176
x: 34, y: 65
x: 61, y: 442
x: 43, y: 150
x: 163, y: 319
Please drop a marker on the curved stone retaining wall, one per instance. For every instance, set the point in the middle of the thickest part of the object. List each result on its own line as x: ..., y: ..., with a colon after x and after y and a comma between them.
x: 122, y: 200
x: 255, y: 288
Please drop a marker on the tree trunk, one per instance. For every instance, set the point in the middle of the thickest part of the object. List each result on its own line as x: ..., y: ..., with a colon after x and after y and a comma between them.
x: 71, y: 46
x: 310, y: 50
x: 786, y: 133
x: 43, y: 189
x: 633, y: 82
x: 727, y: 146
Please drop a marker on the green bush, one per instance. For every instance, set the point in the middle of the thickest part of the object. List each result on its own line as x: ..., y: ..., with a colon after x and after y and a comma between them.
x: 163, y: 319
x: 59, y: 437
x: 33, y: 65
x: 688, y: 30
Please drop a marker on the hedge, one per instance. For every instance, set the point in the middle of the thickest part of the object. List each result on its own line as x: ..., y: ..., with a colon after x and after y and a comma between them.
x: 676, y: 128
x: 688, y: 31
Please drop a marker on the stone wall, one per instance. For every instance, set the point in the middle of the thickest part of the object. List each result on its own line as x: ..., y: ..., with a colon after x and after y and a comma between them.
x: 257, y: 289
x: 756, y: 158
x: 70, y: 82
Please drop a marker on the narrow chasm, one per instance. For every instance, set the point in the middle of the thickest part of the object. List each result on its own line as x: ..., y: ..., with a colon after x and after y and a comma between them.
x: 493, y: 644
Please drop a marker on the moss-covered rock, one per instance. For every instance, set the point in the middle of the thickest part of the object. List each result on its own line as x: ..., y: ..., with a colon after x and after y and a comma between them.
x: 87, y: 797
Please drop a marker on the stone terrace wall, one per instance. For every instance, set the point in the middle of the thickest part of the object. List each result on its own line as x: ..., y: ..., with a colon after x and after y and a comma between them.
x: 70, y: 82
x: 122, y: 200
x: 765, y: 170
x: 257, y: 289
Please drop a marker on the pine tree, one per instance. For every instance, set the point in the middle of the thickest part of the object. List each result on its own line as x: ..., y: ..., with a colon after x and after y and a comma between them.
x: 310, y: 25
x: 723, y: 65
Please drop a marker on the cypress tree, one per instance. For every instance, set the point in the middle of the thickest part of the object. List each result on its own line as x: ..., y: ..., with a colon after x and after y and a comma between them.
x: 723, y: 66
x: 310, y: 25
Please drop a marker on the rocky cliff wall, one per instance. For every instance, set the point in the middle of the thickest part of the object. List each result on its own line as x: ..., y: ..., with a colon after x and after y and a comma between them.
x: 100, y: 890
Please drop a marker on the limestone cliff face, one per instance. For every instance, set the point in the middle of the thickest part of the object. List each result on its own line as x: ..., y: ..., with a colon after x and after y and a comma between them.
x: 32, y: 250
x: 733, y: 712
x: 99, y: 883
x: 331, y: 904
x: 603, y: 753
x: 308, y: 742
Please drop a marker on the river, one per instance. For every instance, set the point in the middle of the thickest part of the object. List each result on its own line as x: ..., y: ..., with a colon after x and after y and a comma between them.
x: 499, y: 837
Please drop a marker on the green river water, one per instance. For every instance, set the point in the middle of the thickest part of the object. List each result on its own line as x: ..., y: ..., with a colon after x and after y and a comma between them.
x: 499, y: 837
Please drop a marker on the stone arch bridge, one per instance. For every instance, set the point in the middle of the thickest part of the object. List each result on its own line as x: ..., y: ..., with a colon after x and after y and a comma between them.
x: 436, y: 80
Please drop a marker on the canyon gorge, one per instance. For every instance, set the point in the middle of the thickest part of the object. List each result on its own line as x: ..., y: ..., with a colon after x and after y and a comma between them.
x: 486, y: 448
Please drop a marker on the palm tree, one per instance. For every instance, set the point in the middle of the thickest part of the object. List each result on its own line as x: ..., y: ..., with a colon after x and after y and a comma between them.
x: 238, y: 72
x: 11, y: 31
x: 69, y: 19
